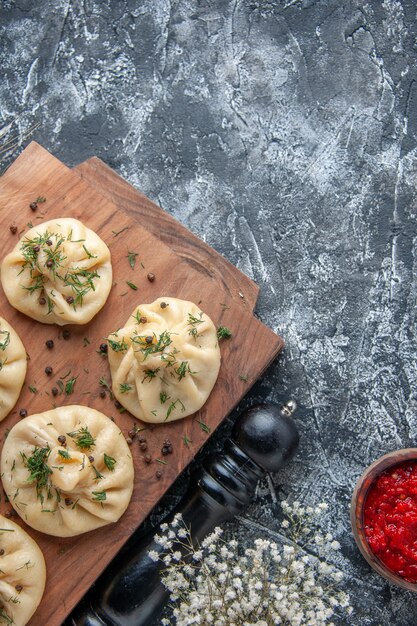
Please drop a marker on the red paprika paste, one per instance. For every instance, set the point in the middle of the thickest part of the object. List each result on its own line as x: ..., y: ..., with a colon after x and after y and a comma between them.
x: 390, y: 519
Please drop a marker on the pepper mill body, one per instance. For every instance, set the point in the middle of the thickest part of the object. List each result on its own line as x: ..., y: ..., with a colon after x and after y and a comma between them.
x: 130, y: 592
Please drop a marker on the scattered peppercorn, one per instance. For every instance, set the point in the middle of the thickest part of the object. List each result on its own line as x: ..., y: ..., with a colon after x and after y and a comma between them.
x: 132, y: 433
x: 143, y: 446
x: 91, y: 458
x: 163, y: 305
x: 18, y: 588
x: 147, y: 458
x: 129, y: 441
x: 68, y: 501
x: 42, y: 300
x: 13, y: 229
x: 158, y: 474
x: 62, y: 440
x: 151, y: 277
x: 66, y: 334
x: 69, y: 299
x: 49, y: 263
x: 49, y: 242
x: 49, y: 344
x: 143, y: 320
x: 23, y: 413
x: 104, y: 348
x: 54, y: 391
x: 142, y: 439
x: 164, y: 450
x: 1, y: 552
x: 36, y: 249
x: 48, y: 370
x: 33, y: 206
x: 102, y: 393
x: 117, y: 404
x: 13, y: 513
x: 149, y: 339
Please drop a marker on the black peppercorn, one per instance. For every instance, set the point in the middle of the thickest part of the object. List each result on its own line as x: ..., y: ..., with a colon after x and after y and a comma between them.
x: 23, y: 413
x: 36, y: 249
x: 164, y: 450
x: 163, y: 305
x: 117, y: 404
x: 147, y: 458
x: 158, y: 474
x: 66, y: 334
x: 13, y: 229
x: 142, y: 439
x: 33, y: 206
x: 91, y: 458
x: 102, y: 393
x: 48, y: 370
x: 49, y: 242
x: 1, y: 552
x: 69, y: 299
x: 149, y: 339
x: 129, y: 441
x: 143, y: 446
x: 104, y: 348
x: 18, y: 588
x: 49, y: 263
x: 68, y: 501
x: 132, y: 433
x: 54, y: 391
x: 42, y: 300
x: 143, y: 320
x: 151, y: 277
x: 49, y: 344
x: 62, y: 440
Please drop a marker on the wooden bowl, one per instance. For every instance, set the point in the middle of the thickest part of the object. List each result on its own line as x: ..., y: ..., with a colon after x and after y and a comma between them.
x: 356, y: 511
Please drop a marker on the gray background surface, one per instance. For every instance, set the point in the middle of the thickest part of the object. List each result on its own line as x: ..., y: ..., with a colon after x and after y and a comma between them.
x: 284, y: 134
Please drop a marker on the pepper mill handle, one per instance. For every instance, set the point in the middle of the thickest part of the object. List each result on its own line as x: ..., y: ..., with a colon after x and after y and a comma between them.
x: 130, y: 591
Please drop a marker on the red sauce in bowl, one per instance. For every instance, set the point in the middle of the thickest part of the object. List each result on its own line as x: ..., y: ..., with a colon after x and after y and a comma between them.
x: 390, y: 519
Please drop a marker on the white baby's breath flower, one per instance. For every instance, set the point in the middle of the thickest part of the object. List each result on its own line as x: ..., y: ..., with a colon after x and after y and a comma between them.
x: 153, y: 554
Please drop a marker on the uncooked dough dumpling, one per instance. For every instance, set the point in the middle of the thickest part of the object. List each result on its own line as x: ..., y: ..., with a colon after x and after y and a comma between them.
x: 67, y: 471
x: 22, y: 574
x: 13, y: 364
x: 58, y: 273
x: 165, y: 361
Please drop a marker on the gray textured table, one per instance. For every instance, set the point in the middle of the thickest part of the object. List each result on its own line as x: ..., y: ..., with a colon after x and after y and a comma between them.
x: 284, y: 134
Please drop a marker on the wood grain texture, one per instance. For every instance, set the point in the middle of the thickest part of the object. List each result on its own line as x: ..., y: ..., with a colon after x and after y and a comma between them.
x: 73, y: 564
x: 187, y: 245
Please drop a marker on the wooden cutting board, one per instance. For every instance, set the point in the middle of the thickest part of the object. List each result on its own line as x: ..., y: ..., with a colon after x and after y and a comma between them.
x: 74, y: 563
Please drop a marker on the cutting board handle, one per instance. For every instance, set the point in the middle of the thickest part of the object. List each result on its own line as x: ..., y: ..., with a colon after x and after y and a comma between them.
x: 130, y: 591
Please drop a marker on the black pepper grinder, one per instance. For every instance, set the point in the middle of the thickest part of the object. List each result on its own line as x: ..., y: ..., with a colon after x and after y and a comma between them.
x: 130, y: 591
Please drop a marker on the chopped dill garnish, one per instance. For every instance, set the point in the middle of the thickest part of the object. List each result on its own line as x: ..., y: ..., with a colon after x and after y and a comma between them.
x: 131, y: 256
x: 4, y: 339
x: 172, y: 406
x: 204, y: 426
x: 39, y: 471
x: 194, y: 322
x: 103, y: 383
x: 118, y: 346
x: 163, y: 396
x: 125, y: 387
x: 83, y: 438
x: 32, y: 389
x: 69, y: 385
x: 186, y: 441
x: 64, y: 454
x: 223, y: 333
x: 132, y: 285
x: 99, y: 495
x: 97, y: 475
x: 149, y: 374
x: 109, y: 462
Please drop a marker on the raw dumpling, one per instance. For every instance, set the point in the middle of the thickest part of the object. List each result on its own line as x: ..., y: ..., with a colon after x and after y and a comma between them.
x: 13, y: 364
x: 67, y: 471
x: 165, y: 361
x: 22, y: 577
x: 58, y: 273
